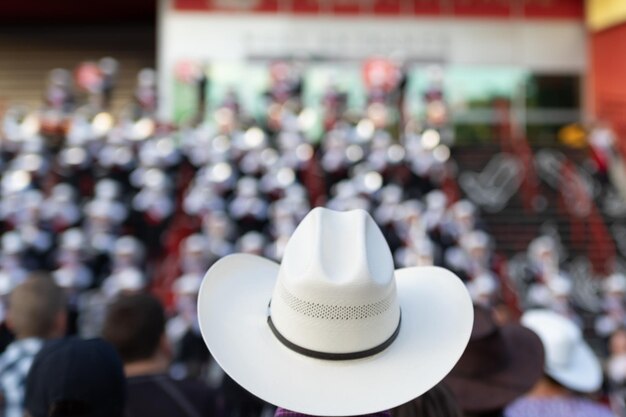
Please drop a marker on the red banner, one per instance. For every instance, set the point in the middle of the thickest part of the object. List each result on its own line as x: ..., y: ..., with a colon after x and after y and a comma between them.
x: 427, y: 7
x: 350, y: 7
x: 238, y: 6
x: 388, y: 7
x: 305, y: 6
x: 482, y: 8
x: 571, y: 9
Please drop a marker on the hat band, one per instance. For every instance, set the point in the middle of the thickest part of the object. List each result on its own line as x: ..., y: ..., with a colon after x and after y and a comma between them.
x: 334, y: 356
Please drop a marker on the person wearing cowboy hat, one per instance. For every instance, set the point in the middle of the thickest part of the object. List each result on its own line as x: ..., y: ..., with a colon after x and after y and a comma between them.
x: 461, y: 218
x: 616, y: 361
x: 389, y: 199
x: 418, y: 252
x: 434, y: 213
x: 111, y: 191
x: 335, y: 160
x: 190, y: 357
x: 500, y: 364
x: 248, y: 207
x: 543, y: 259
x: 145, y: 95
x: 154, y: 202
x: 38, y: 242
x: 11, y: 255
x: 484, y: 290
x: 613, y: 305
x: 340, y: 332
x: 345, y: 196
x: 100, y: 230
x: 72, y: 274
x: 201, y: 197
x: 218, y: 229
x: 571, y: 370
x: 59, y: 210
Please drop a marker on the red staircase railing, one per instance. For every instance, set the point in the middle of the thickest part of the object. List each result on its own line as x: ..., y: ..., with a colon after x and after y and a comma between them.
x: 588, y: 231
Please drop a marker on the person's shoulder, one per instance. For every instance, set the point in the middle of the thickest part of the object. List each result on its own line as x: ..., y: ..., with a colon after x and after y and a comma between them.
x: 521, y: 407
x: 583, y: 407
x: 593, y: 409
x: 18, y: 350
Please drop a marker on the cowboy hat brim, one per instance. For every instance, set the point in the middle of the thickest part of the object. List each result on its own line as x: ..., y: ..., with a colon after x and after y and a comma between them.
x: 437, y: 319
x: 494, y: 390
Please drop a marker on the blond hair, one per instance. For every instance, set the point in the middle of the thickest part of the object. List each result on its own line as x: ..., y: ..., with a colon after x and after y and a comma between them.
x: 34, y: 306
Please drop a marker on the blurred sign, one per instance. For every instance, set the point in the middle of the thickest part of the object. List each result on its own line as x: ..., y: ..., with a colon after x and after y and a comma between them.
x: 462, y: 8
x: 602, y: 14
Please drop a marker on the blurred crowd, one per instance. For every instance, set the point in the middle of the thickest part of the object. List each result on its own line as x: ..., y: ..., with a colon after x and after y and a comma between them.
x: 117, y: 205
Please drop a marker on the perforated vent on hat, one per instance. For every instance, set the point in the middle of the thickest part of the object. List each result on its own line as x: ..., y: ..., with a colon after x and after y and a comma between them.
x: 333, y: 311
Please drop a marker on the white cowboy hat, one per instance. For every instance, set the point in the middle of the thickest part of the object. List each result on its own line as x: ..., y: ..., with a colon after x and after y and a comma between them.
x: 569, y: 360
x: 344, y: 334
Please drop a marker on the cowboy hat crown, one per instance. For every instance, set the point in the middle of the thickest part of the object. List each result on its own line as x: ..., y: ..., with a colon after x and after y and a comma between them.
x: 337, y: 268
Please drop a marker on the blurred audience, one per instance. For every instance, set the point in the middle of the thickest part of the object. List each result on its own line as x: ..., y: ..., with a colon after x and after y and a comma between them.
x: 116, y: 206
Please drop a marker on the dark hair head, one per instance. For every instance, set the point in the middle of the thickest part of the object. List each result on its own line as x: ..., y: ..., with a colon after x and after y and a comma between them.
x: 134, y: 325
x: 73, y: 377
x: 437, y: 402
